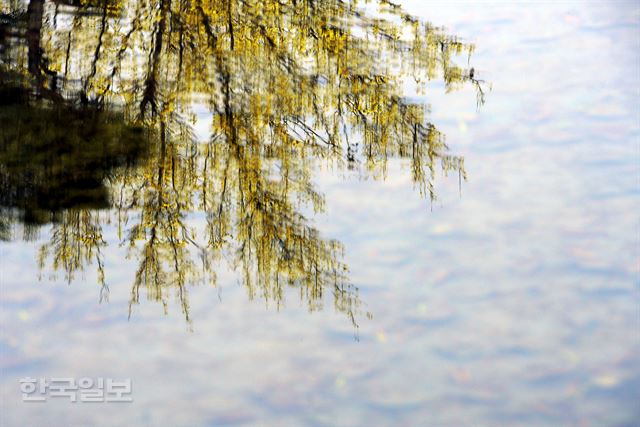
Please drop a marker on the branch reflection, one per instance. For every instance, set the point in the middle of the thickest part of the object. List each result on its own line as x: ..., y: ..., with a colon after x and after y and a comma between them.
x: 98, y: 110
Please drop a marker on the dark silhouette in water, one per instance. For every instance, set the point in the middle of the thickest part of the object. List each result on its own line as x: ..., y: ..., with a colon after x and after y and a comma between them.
x: 58, y: 156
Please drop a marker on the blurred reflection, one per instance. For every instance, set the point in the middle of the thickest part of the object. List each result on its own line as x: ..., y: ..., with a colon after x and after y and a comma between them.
x: 89, y: 86
x: 56, y: 157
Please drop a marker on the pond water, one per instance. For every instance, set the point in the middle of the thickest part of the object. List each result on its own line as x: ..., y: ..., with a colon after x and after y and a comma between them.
x: 329, y: 288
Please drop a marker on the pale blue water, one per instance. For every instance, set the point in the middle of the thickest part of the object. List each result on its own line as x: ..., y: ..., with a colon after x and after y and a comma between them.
x: 512, y: 302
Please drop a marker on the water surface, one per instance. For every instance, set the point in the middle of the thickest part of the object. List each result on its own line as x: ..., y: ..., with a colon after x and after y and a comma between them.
x: 504, y: 293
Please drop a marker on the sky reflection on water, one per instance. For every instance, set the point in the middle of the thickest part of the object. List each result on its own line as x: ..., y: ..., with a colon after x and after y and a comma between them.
x: 514, y: 302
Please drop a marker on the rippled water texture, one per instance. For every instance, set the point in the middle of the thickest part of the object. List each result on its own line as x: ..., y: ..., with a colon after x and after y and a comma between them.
x: 506, y: 298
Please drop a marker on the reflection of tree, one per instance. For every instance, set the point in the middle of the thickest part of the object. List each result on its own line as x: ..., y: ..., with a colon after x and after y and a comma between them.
x: 251, y: 198
x: 285, y: 82
x: 75, y: 241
